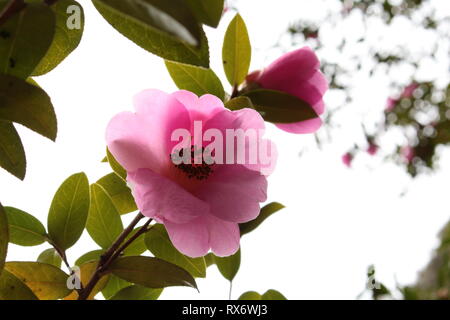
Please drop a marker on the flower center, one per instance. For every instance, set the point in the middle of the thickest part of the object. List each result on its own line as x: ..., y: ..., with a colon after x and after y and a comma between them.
x: 199, y: 171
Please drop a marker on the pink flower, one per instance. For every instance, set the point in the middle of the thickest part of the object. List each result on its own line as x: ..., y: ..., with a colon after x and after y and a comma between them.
x: 390, y: 104
x: 347, y: 159
x: 407, y: 153
x: 372, y: 149
x: 199, y: 204
x: 296, y: 73
x: 409, y: 90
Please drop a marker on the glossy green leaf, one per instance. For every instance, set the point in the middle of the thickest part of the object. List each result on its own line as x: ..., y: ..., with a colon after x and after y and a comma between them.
x: 65, y: 39
x: 158, y: 242
x: 265, y: 212
x: 117, y: 168
x: 167, y: 29
x: 239, y: 103
x: 236, y: 51
x: 209, y: 259
x: 69, y: 211
x: 207, y: 12
x: 198, y: 80
x: 104, y: 224
x: 50, y: 256
x: 24, y: 229
x: 89, y: 256
x: 114, y: 285
x: 250, y: 295
x: 279, y: 107
x: 137, y: 247
x: 25, y: 39
x: 4, y: 237
x: 136, y: 292
x: 46, y: 281
x: 11, y: 288
x: 273, y: 295
x: 229, y: 266
x: 28, y: 105
x: 119, y: 192
x: 151, y: 272
x: 12, y: 154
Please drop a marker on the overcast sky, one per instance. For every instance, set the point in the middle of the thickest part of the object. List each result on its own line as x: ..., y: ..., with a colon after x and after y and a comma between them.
x: 336, y: 222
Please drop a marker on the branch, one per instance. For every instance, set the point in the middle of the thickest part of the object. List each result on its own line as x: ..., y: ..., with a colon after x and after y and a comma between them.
x: 13, y: 7
x: 113, y: 252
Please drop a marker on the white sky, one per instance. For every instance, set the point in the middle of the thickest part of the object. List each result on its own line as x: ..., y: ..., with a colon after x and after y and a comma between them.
x: 337, y: 221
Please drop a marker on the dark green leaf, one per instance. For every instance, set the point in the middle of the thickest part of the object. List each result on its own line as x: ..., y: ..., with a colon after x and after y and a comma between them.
x: 151, y: 272
x: 136, y: 292
x: 25, y: 39
x: 229, y: 266
x: 250, y: 295
x: 69, y: 211
x: 119, y: 192
x: 236, y: 51
x: 12, y: 154
x: 50, y: 256
x: 11, y: 288
x: 280, y: 107
x: 104, y: 224
x: 114, y: 285
x: 4, y: 237
x: 65, y: 39
x: 24, y: 229
x: 239, y: 103
x: 198, y: 80
x: 46, y: 281
x: 117, y: 168
x: 164, y: 28
x: 89, y: 256
x: 208, y: 12
x: 158, y: 242
x: 28, y: 105
x: 265, y: 212
x: 273, y: 295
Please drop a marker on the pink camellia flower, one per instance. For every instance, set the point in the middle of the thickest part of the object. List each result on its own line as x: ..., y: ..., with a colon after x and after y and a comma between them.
x: 201, y: 204
x: 390, y: 104
x: 372, y: 149
x: 407, y: 153
x: 296, y: 73
x: 347, y: 159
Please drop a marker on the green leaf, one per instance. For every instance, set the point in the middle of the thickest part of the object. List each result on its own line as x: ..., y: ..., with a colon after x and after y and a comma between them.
x: 119, y: 192
x: 239, y: 103
x: 11, y: 288
x: 24, y: 229
x: 198, y: 80
x: 50, y: 256
x: 89, y: 256
x: 164, y: 28
x: 209, y: 259
x: 114, y: 285
x: 250, y: 295
x: 69, y: 211
x: 265, y: 212
x: 4, y: 237
x: 65, y: 39
x: 158, y: 242
x: 12, y: 154
x: 104, y: 224
x: 151, y: 272
x: 28, y: 105
x: 116, y: 166
x: 137, y: 292
x: 279, y: 107
x: 207, y: 12
x: 273, y: 295
x: 229, y: 266
x: 236, y: 51
x: 46, y: 281
x: 25, y: 39
x: 137, y: 247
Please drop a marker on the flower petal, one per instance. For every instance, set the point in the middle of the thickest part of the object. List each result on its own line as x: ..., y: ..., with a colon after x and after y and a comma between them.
x: 307, y: 126
x: 224, y: 236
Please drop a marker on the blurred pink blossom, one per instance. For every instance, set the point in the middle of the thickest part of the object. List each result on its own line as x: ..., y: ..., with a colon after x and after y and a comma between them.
x: 347, y: 159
